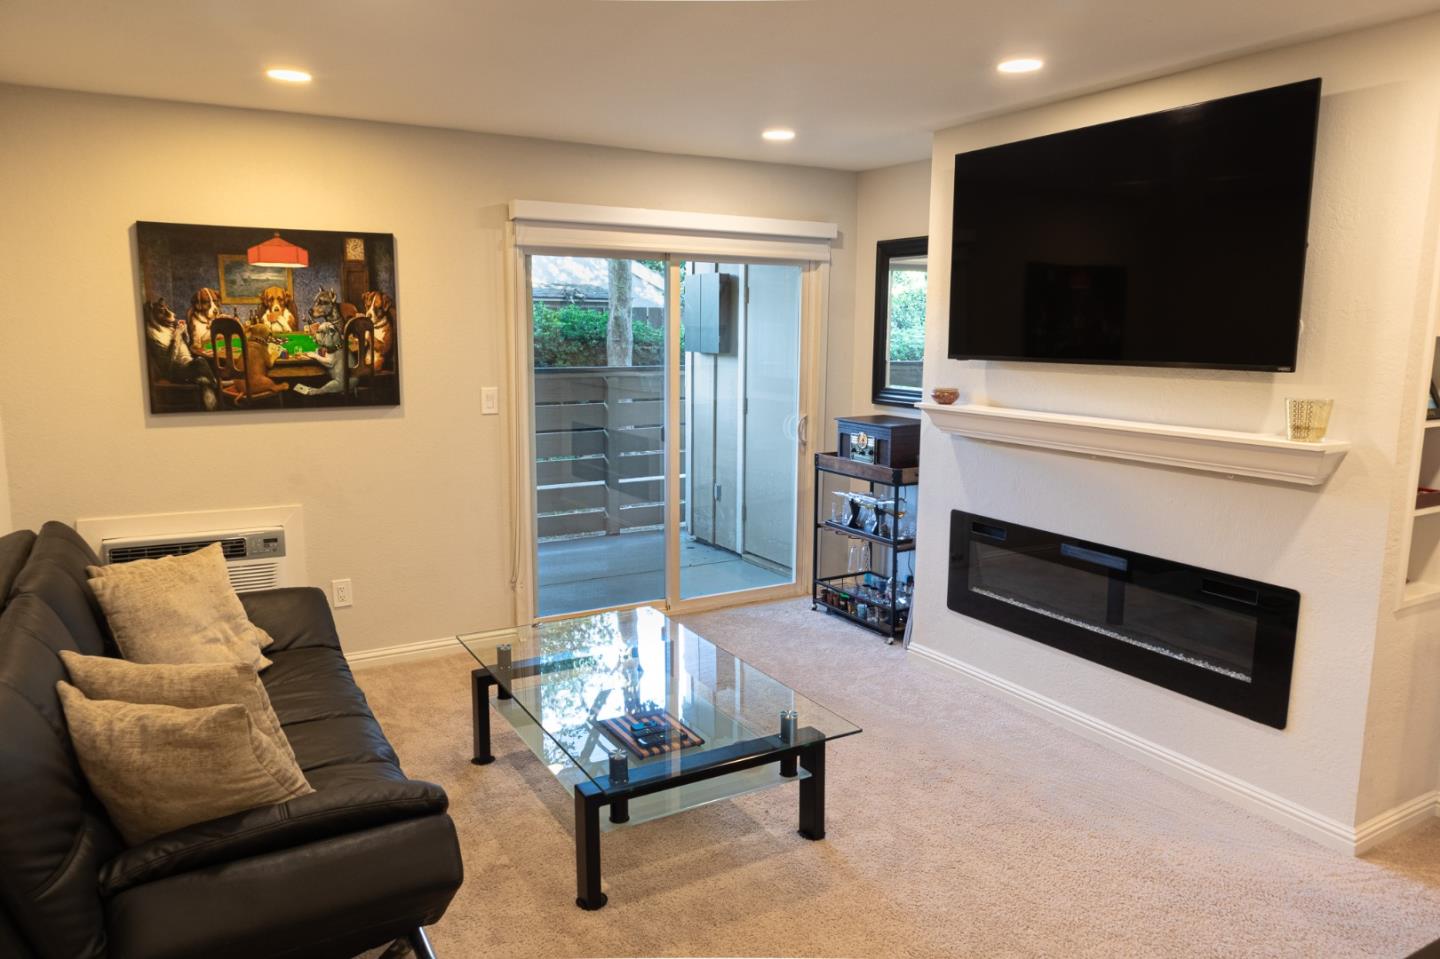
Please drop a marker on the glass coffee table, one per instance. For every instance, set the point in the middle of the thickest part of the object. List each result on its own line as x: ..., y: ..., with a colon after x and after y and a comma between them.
x: 642, y: 716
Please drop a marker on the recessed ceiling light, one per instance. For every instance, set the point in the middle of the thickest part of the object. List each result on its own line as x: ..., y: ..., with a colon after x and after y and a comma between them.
x: 1020, y: 65
x: 778, y: 134
x: 288, y: 75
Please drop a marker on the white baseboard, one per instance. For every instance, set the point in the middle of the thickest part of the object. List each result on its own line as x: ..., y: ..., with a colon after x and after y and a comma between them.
x: 402, y: 651
x: 1323, y: 829
x: 1404, y: 817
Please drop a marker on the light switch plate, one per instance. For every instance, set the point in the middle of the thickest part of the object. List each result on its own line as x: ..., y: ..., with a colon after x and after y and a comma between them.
x: 489, y: 400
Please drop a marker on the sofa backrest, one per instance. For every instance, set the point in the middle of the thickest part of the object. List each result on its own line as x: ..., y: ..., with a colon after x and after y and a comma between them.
x: 55, y: 573
x: 55, y: 570
x: 54, y: 834
x: 14, y: 550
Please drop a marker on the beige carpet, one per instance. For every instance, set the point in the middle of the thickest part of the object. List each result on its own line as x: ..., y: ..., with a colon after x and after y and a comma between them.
x: 958, y: 825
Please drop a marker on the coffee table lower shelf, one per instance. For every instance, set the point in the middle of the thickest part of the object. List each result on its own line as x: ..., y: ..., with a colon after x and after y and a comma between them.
x: 656, y: 805
x: 654, y: 792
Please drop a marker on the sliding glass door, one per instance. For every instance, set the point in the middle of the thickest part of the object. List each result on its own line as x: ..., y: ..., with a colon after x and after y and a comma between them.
x: 600, y: 380
x: 599, y: 414
x: 740, y: 349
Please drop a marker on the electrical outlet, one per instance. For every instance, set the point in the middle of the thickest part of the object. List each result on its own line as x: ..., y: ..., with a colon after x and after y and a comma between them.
x: 341, y: 593
x: 489, y: 400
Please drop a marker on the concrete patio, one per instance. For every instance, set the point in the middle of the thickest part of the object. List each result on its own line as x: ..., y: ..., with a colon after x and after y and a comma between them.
x: 602, y: 571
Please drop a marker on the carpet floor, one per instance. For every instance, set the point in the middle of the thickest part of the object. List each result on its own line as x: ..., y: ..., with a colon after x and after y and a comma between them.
x: 958, y: 825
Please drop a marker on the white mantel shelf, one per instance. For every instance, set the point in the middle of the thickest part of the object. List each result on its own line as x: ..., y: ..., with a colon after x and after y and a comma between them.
x: 1257, y: 455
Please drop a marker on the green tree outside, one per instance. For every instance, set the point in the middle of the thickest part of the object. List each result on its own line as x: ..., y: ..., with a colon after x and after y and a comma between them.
x: 907, y: 316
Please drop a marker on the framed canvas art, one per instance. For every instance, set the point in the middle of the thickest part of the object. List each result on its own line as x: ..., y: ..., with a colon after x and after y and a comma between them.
x: 239, y: 318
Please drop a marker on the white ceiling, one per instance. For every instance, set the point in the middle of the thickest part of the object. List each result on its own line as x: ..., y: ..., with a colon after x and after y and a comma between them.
x: 863, y: 82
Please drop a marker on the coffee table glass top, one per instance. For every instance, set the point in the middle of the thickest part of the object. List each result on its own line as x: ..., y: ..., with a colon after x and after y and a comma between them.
x: 629, y: 683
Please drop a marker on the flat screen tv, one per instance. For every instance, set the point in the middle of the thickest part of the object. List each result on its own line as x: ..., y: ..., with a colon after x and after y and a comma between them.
x: 1173, y: 239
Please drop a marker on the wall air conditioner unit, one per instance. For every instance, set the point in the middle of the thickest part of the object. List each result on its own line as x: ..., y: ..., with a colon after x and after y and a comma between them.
x: 256, y: 557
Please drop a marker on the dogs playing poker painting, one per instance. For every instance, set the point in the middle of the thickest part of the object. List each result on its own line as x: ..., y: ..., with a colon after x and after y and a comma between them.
x: 239, y: 318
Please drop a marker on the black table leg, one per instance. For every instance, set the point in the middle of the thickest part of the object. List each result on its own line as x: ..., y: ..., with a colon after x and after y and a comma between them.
x: 619, y: 810
x: 588, y: 800
x: 480, y: 683
x: 812, y: 792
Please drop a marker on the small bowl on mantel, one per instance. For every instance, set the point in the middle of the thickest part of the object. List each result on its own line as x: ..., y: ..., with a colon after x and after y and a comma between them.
x: 945, y: 395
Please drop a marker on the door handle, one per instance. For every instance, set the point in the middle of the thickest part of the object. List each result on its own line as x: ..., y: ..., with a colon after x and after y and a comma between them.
x: 802, y: 430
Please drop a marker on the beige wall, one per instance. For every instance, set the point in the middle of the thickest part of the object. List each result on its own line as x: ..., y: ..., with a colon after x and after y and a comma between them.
x: 1357, y: 697
x: 411, y: 503
x: 891, y: 203
x: 5, y: 524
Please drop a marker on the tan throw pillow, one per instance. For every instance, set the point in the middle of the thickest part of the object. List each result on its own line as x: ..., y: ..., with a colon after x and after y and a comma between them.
x: 160, y: 768
x: 189, y: 686
x: 178, y: 609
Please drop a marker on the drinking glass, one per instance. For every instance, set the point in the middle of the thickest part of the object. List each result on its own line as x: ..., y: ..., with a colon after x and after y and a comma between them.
x: 852, y: 562
x: 869, y: 517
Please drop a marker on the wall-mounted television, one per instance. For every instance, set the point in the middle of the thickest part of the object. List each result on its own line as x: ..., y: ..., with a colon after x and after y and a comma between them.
x: 1172, y: 239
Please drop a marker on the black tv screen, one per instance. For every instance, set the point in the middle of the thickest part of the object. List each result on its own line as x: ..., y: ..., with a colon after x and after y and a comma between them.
x: 1173, y: 239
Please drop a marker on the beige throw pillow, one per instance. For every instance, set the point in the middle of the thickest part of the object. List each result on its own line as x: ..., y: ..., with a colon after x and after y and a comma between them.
x: 160, y: 768
x: 189, y: 686
x: 178, y: 609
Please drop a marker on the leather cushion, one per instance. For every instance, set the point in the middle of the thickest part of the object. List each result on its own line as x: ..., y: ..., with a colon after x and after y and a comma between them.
x: 14, y: 550
x: 12, y: 944
x: 296, y: 617
x: 47, y: 579
x: 322, y: 710
x: 54, y: 836
x: 320, y: 815
x: 313, y: 683
x: 329, y: 899
x: 73, y: 555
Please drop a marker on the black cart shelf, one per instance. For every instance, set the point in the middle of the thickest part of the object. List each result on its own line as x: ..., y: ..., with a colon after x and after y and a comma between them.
x: 860, y: 596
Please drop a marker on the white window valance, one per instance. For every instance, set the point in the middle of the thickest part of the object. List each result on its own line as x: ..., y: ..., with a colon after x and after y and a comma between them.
x: 582, y: 227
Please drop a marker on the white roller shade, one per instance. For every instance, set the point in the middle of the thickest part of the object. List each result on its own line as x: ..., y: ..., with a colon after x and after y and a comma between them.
x: 579, y: 227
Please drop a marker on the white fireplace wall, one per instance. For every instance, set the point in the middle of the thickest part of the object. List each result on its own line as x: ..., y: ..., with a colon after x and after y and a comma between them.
x: 1366, y: 313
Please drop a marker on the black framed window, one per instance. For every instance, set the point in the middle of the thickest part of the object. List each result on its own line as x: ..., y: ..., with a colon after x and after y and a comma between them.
x: 900, y: 274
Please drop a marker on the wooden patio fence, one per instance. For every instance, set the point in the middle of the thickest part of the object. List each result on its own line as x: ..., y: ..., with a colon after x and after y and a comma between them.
x: 599, y: 450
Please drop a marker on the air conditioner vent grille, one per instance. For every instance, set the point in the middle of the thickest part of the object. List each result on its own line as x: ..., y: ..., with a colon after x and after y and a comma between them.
x: 234, y: 548
x: 253, y: 576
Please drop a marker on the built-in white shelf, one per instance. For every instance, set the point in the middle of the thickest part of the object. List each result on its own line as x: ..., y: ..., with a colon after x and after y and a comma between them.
x: 1431, y: 424
x: 1258, y: 455
x: 1427, y: 511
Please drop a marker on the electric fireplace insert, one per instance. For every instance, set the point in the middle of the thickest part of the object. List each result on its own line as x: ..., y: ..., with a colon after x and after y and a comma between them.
x: 1221, y: 639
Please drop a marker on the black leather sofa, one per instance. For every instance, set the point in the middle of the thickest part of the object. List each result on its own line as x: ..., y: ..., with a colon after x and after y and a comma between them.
x: 370, y: 857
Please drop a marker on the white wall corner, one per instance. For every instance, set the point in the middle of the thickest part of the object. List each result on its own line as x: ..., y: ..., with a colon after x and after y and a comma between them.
x: 1393, y: 822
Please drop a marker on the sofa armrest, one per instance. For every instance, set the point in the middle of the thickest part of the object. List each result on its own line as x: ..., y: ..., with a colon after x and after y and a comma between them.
x: 294, y: 616
x: 320, y: 815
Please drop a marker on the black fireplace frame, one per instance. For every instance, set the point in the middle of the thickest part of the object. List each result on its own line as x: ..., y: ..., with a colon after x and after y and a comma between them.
x: 1265, y: 698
